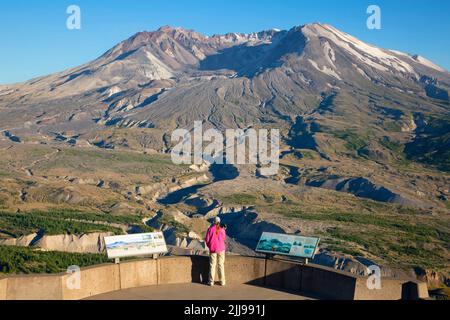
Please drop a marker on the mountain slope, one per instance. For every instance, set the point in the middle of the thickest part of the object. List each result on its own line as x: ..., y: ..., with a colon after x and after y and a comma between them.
x: 284, y: 70
x: 328, y: 92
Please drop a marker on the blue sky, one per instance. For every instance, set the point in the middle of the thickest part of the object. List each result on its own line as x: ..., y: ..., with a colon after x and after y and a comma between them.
x: 35, y: 40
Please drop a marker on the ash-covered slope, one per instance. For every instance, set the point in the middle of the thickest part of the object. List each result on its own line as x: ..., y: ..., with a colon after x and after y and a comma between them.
x: 307, y: 81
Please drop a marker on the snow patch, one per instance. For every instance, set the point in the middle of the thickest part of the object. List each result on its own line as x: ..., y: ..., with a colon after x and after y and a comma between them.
x: 325, y: 70
x: 427, y: 63
x: 329, y: 52
x: 361, y: 71
x: 156, y: 69
x: 375, y: 57
x: 113, y: 90
x: 7, y: 92
x: 419, y: 59
x: 198, y: 53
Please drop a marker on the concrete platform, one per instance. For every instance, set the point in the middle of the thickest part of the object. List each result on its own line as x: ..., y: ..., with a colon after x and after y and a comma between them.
x: 179, y: 278
x: 194, y: 291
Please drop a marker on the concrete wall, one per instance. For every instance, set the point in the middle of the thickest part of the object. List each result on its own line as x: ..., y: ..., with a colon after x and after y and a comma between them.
x: 240, y: 270
x: 3, y: 284
x: 413, y: 290
x: 327, y: 282
x: 42, y: 287
x: 174, y: 270
x: 136, y: 274
x: 391, y: 289
x: 93, y: 281
x: 311, y: 279
x: 284, y: 275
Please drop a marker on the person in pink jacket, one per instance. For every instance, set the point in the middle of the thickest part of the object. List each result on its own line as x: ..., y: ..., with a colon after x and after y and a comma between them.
x: 215, y: 240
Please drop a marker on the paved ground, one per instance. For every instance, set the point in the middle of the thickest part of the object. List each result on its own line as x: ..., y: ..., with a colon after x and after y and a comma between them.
x: 199, y: 292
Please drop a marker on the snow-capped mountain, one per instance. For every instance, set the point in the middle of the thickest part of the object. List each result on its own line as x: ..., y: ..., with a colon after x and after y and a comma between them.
x: 170, y: 77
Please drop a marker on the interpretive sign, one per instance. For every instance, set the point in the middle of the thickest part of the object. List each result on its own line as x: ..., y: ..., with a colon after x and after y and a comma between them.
x: 132, y: 245
x: 288, y: 245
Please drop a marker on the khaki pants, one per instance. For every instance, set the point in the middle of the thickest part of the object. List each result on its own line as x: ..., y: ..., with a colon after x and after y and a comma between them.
x: 214, y: 260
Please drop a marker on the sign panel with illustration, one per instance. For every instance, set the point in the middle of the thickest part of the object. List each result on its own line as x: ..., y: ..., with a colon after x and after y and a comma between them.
x: 288, y: 245
x: 132, y: 245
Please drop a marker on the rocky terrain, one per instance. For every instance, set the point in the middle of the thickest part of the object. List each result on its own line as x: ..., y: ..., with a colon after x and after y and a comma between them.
x: 364, y: 149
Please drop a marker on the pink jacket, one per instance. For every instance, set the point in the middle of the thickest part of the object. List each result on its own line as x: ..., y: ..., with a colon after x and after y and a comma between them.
x: 215, y: 241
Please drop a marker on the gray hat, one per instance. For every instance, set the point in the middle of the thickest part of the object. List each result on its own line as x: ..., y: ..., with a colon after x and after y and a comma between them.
x: 216, y: 220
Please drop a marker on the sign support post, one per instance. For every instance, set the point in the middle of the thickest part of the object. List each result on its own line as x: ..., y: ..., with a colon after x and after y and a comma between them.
x: 269, y: 256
